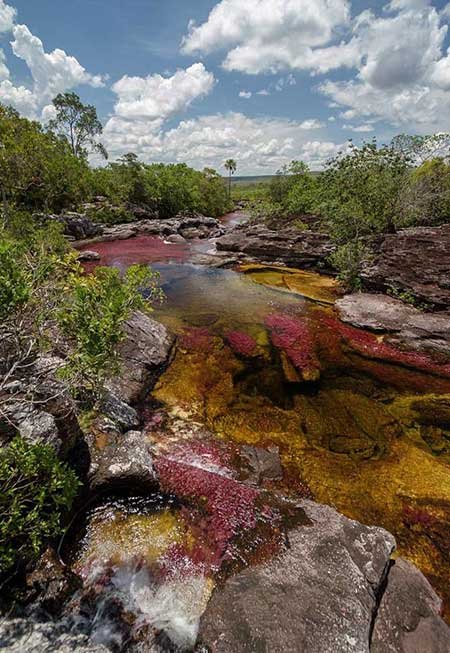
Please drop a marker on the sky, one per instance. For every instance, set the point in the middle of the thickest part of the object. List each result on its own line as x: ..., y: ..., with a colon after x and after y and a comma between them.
x: 260, y: 81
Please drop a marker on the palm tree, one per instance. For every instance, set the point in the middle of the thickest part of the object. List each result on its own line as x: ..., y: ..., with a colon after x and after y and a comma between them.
x: 231, y: 166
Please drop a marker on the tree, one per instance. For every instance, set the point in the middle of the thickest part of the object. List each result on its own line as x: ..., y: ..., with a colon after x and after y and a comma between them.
x: 419, y: 149
x: 79, y: 123
x: 231, y: 166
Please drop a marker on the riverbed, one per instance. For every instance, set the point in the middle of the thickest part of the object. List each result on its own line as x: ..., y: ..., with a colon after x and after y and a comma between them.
x: 262, y: 360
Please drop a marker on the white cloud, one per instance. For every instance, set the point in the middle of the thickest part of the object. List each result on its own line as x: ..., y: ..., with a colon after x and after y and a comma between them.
x: 245, y: 94
x: 258, y: 144
x: 359, y: 128
x: 156, y: 97
x: 7, y: 17
x: 263, y: 91
x: 269, y: 35
x: 52, y: 73
x: 4, y: 72
x: 403, y: 76
x: 312, y: 123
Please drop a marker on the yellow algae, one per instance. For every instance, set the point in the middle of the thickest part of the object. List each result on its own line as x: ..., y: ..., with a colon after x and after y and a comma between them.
x: 123, y: 537
x: 311, y: 285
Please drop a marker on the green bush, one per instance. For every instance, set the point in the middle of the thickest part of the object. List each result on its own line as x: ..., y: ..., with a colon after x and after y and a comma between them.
x: 348, y: 260
x: 36, y: 491
x: 92, y: 315
x: 15, y: 285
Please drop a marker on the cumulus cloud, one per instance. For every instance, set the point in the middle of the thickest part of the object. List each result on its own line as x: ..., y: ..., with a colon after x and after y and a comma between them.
x: 312, y: 123
x: 52, y: 73
x: 359, y: 128
x: 156, y: 97
x: 270, y: 35
x: 7, y: 17
x: 403, y: 76
x: 259, y: 144
x: 245, y: 94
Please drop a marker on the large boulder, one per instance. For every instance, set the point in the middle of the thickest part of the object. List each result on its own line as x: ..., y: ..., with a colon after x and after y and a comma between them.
x: 303, y: 249
x: 143, y: 353
x: 77, y: 226
x: 318, y: 596
x: 408, y: 618
x: 416, y: 260
x: 405, y: 324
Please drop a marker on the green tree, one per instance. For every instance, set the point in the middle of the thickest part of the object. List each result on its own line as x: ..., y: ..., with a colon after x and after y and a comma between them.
x: 231, y: 166
x: 79, y: 123
x: 418, y: 149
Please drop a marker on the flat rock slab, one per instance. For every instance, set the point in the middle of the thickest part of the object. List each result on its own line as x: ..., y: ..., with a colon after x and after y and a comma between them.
x: 415, y: 260
x: 318, y: 596
x: 408, y: 618
x: 303, y: 249
x: 406, y: 324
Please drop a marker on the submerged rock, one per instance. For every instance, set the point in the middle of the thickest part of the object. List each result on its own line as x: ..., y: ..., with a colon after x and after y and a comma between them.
x: 318, y: 596
x: 143, y: 352
x: 416, y: 260
x: 408, y: 616
x: 88, y: 255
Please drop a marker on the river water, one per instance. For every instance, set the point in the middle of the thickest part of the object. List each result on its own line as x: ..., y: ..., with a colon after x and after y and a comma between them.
x: 262, y: 361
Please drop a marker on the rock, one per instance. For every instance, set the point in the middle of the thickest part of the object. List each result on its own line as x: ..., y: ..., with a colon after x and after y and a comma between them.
x: 126, y: 461
x: 142, y: 354
x: 51, y: 583
x: 76, y: 225
x: 416, y: 260
x: 408, y: 618
x: 264, y: 464
x: 88, y: 255
x: 301, y: 249
x: 406, y: 325
x: 175, y: 238
x: 33, y: 425
x: 120, y: 413
x: 37, y: 634
x: 318, y: 596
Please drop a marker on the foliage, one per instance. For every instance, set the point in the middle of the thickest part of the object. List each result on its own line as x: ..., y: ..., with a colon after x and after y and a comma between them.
x: 348, y: 260
x: 231, y: 166
x: 360, y: 191
x: 36, y: 490
x: 14, y: 286
x: 78, y: 123
x: 37, y: 169
x: 92, y: 316
x: 425, y: 198
x: 419, y: 149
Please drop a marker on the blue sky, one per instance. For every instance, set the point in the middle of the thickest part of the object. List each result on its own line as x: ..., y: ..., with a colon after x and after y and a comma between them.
x: 262, y: 81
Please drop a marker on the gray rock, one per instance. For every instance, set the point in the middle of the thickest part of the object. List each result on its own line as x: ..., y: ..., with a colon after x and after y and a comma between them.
x: 303, y: 249
x: 416, y: 260
x: 264, y: 464
x: 88, y: 255
x: 125, y: 461
x: 120, y: 413
x: 143, y: 352
x: 405, y: 324
x: 176, y: 238
x: 318, y: 596
x: 408, y: 618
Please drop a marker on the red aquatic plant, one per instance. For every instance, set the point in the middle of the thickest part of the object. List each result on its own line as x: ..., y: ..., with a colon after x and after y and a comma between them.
x: 221, y: 507
x: 416, y: 517
x: 293, y: 336
x: 372, y: 346
x: 241, y: 343
x: 196, y: 339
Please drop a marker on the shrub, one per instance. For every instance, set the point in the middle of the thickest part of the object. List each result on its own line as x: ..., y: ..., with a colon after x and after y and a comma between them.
x: 348, y: 260
x: 14, y: 282
x: 92, y: 316
x: 36, y: 491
